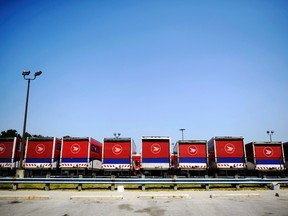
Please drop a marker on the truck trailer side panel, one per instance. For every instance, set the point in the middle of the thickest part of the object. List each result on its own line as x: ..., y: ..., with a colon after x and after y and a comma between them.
x: 227, y: 153
x: 9, y: 152
x: 192, y: 155
x: 42, y: 153
x: 266, y: 156
x: 117, y: 153
x: 155, y: 153
x: 81, y: 153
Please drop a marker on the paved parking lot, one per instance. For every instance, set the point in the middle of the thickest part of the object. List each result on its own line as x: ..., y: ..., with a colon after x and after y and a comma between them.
x: 74, y: 203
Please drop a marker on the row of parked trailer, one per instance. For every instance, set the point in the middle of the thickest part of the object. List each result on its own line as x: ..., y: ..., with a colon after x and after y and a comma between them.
x: 118, y: 156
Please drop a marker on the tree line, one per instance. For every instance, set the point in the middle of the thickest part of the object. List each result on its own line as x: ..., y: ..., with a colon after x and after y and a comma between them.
x: 14, y: 133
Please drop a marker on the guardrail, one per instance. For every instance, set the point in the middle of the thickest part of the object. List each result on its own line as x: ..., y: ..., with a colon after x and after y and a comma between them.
x: 205, y: 182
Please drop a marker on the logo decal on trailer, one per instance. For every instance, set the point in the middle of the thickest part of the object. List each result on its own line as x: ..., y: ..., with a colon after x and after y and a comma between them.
x: 117, y: 149
x: 155, y: 148
x: 192, y: 150
x: 268, y: 152
x: 75, y: 148
x: 40, y: 148
x: 2, y: 148
x: 229, y: 148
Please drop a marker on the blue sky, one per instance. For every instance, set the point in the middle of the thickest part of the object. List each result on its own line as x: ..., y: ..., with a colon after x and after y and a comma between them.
x: 146, y: 68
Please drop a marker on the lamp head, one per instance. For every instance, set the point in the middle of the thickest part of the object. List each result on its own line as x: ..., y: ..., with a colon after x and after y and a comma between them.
x: 26, y: 73
x: 117, y: 135
x: 38, y: 73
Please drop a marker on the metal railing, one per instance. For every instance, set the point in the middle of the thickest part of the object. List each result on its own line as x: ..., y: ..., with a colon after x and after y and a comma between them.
x: 143, y: 181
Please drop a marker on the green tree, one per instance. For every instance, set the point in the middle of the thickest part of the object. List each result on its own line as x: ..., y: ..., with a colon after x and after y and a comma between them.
x: 39, y: 136
x: 14, y: 133
x: 27, y: 135
x: 10, y: 133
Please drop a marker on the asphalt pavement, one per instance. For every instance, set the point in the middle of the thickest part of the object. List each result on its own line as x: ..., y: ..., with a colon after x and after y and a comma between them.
x: 160, y: 203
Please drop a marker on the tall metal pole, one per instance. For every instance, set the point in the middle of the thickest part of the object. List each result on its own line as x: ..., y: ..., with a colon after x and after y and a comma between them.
x: 270, y: 137
x: 182, y: 130
x: 21, y: 170
x: 270, y: 133
x: 24, y: 127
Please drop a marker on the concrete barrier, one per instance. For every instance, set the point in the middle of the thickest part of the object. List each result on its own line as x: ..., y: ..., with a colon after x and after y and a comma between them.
x: 120, y: 188
x: 24, y: 197
x: 234, y: 195
x: 97, y: 197
x: 153, y: 196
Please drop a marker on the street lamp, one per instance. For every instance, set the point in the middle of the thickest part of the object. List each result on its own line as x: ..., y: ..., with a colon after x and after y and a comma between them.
x: 270, y: 133
x: 182, y: 130
x: 26, y: 73
x: 117, y: 135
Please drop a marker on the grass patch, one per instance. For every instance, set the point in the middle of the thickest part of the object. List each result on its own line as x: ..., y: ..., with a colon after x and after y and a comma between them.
x: 148, y: 187
x: 6, y: 186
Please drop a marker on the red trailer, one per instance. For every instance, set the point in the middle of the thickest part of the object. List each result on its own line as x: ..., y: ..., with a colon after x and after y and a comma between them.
x: 265, y: 156
x: 42, y: 153
x: 227, y: 153
x: 155, y: 153
x: 136, y: 161
x: 174, y: 161
x: 117, y: 154
x: 192, y: 154
x: 9, y: 152
x: 285, y: 148
x: 80, y: 153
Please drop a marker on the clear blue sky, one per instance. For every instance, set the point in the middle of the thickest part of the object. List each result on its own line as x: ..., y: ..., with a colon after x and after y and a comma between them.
x: 146, y: 68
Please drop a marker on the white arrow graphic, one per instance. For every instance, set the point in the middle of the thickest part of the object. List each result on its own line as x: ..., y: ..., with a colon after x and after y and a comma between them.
x: 40, y: 149
x: 117, y: 149
x: 155, y: 149
x: 192, y: 150
x: 229, y: 148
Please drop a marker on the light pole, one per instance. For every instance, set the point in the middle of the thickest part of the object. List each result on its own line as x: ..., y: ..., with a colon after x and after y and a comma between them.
x: 270, y: 133
x: 26, y: 73
x: 182, y: 130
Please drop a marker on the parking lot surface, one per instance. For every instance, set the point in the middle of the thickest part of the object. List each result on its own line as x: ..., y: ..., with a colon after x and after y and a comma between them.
x: 74, y: 203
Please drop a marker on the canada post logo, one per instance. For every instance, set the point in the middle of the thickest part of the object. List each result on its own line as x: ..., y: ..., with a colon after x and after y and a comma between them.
x: 155, y: 148
x: 268, y: 152
x: 2, y: 148
x: 117, y: 149
x: 75, y: 148
x: 39, y: 149
x: 192, y: 150
x: 229, y: 148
